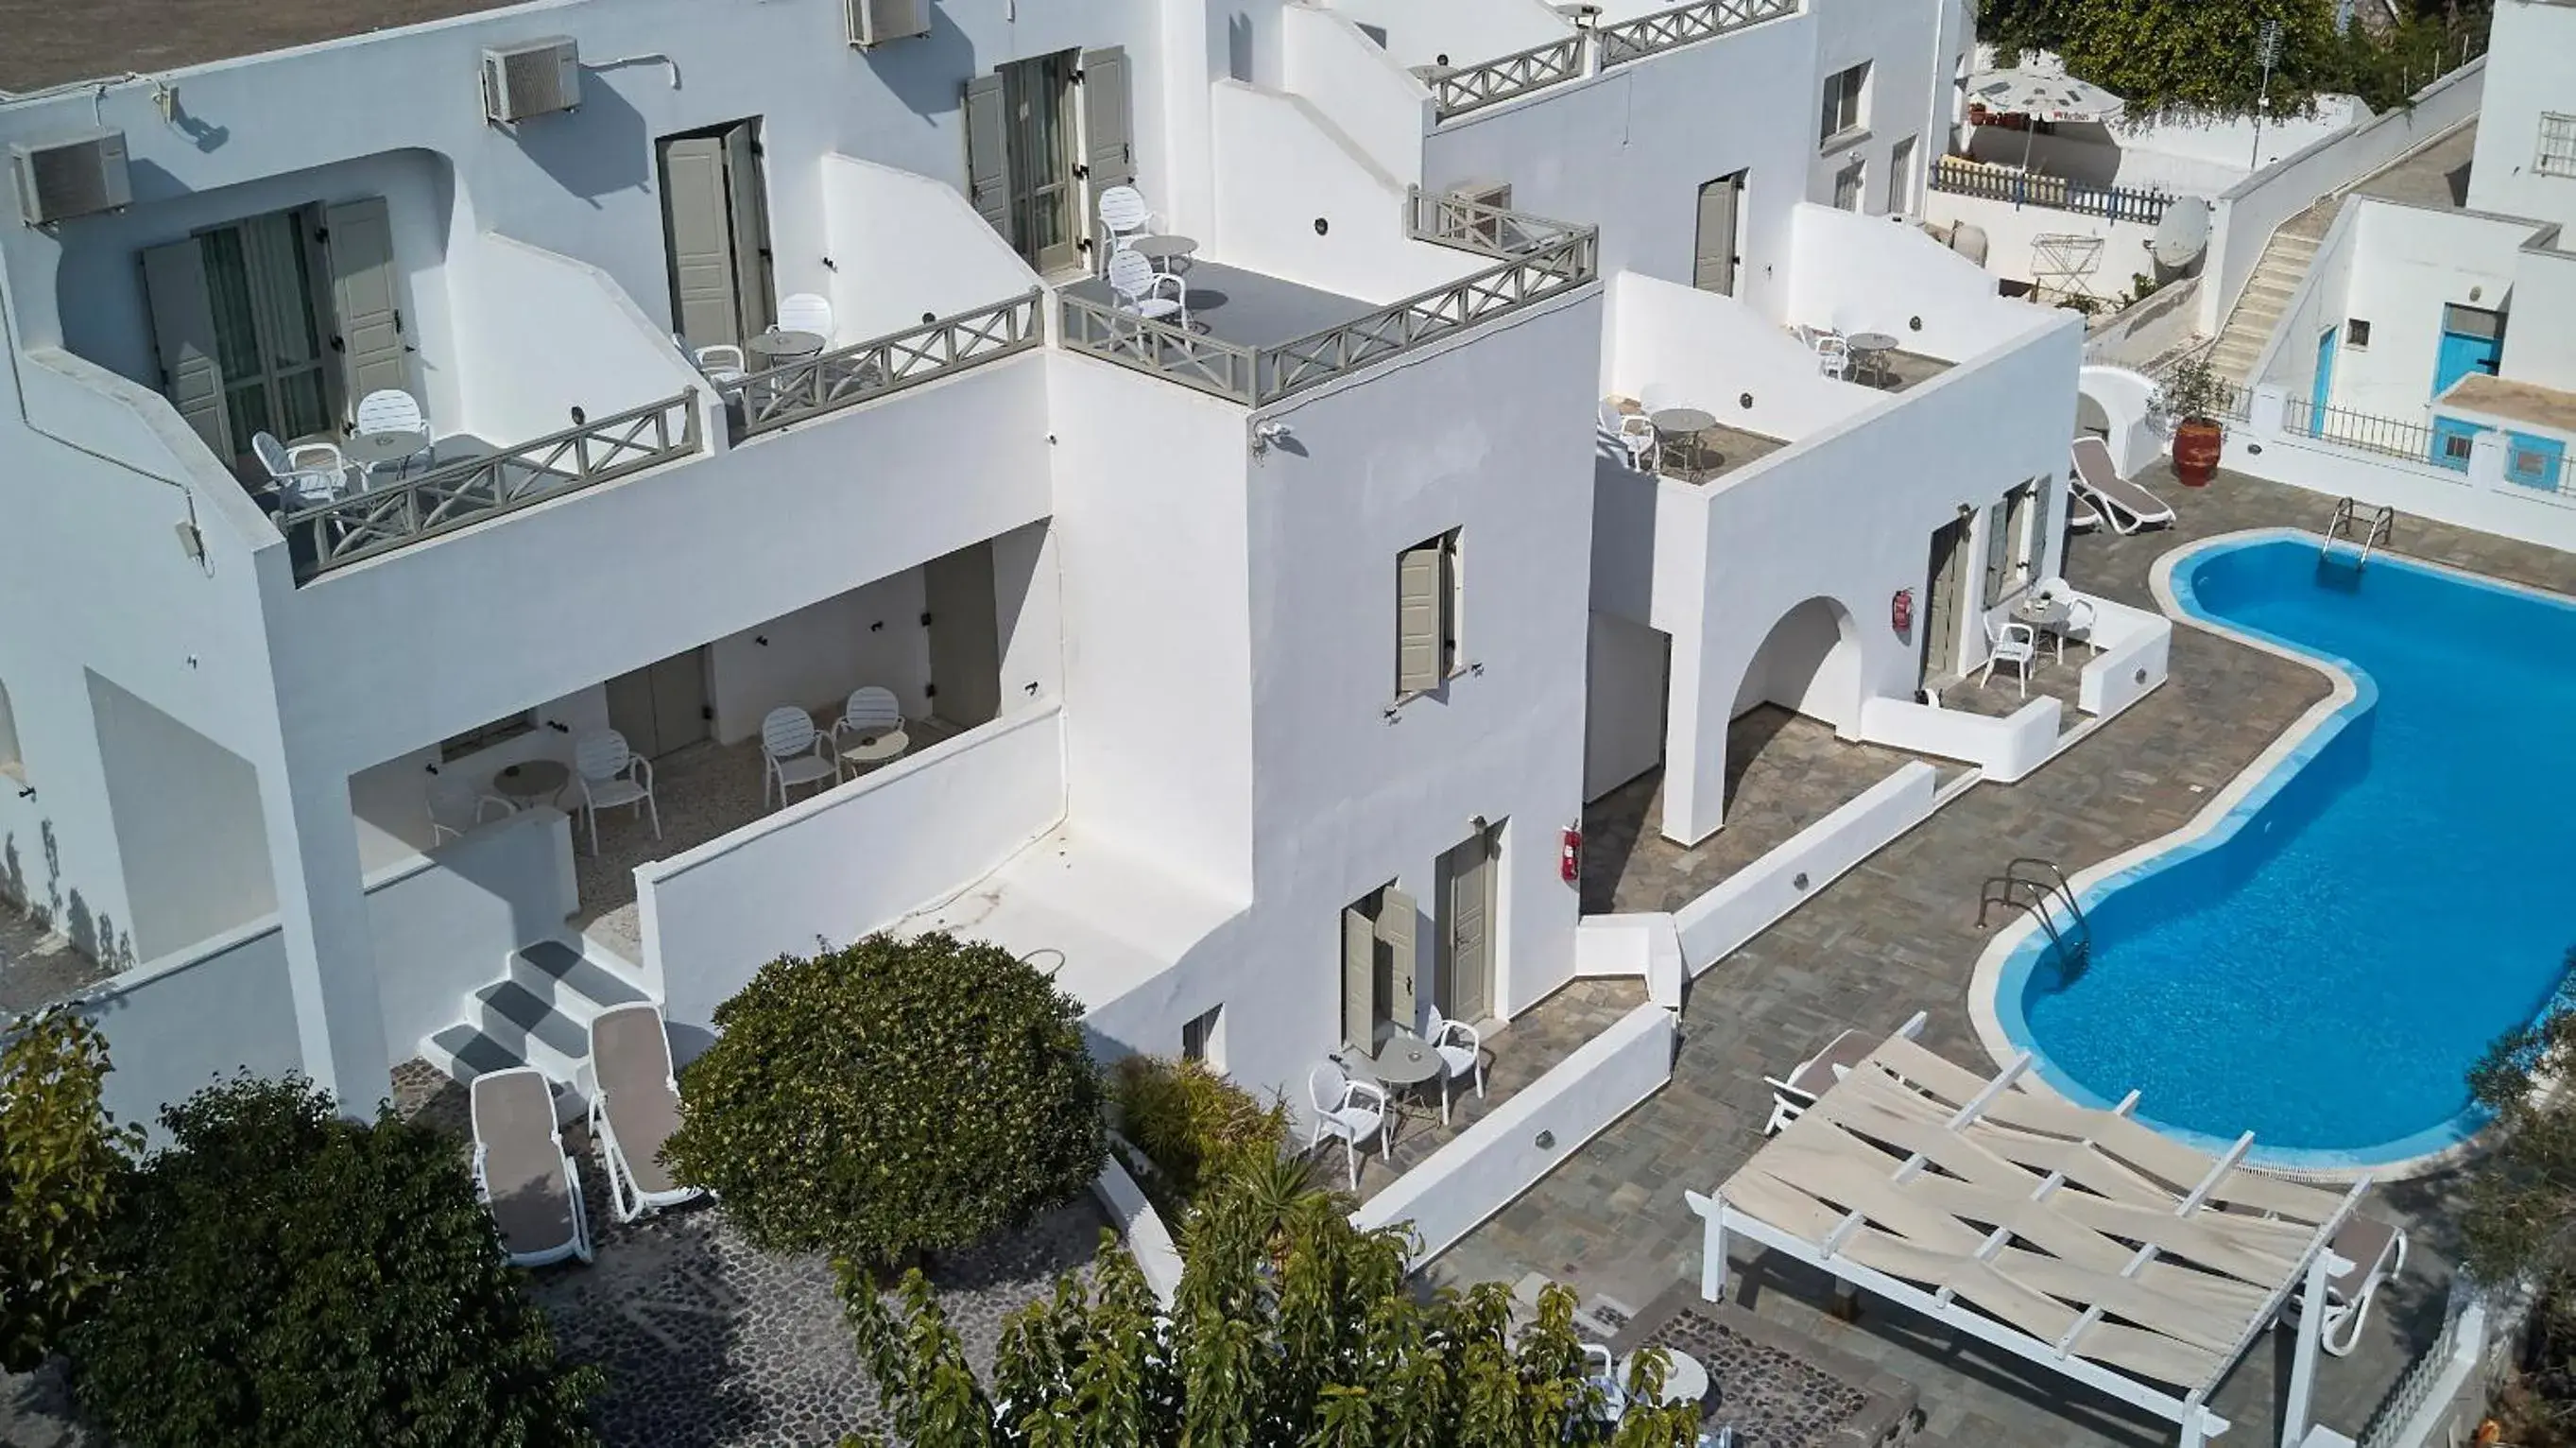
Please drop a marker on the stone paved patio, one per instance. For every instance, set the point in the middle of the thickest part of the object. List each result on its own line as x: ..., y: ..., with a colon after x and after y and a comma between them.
x: 1898, y: 934
x: 38, y: 964
x: 1784, y: 772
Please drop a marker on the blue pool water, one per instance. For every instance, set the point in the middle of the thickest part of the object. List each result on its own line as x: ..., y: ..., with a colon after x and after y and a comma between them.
x: 2324, y: 967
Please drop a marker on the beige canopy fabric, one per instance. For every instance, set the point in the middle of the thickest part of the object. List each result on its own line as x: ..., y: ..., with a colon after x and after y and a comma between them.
x: 2079, y: 1228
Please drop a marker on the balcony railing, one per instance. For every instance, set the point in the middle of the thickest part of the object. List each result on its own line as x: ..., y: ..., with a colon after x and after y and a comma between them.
x: 1684, y: 25
x: 394, y: 515
x: 812, y: 386
x: 2022, y: 188
x: 1537, y: 259
x: 1474, y: 87
x: 2389, y: 436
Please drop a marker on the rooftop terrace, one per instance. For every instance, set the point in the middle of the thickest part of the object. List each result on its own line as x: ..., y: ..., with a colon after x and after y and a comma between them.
x: 52, y: 44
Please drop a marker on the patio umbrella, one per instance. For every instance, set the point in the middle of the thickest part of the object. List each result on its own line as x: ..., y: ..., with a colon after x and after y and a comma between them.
x: 2042, y: 95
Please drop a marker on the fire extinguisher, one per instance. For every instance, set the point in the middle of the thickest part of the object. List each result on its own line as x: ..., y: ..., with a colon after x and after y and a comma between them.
x: 1900, y: 612
x: 1569, y: 855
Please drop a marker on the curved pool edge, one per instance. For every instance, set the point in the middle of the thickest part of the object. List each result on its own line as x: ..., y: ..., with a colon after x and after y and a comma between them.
x: 1994, y: 1001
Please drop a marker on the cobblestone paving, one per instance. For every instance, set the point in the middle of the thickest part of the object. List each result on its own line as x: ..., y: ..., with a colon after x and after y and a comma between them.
x: 1898, y: 934
x: 1773, y: 1398
x: 1784, y: 773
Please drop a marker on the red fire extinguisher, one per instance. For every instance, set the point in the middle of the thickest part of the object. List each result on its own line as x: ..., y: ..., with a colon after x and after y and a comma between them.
x: 1900, y: 612
x: 1569, y: 855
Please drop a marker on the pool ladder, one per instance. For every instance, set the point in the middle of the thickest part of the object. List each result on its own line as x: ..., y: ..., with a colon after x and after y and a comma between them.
x: 2373, y: 524
x: 2050, y: 898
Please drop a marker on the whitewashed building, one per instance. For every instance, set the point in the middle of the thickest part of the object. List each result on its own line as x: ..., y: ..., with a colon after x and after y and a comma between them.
x: 1255, y: 670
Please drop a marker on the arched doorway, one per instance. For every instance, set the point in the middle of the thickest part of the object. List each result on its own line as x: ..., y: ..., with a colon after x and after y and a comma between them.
x: 1808, y: 664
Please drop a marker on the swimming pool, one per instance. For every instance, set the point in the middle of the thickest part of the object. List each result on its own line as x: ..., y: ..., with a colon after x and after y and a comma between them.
x: 2322, y: 957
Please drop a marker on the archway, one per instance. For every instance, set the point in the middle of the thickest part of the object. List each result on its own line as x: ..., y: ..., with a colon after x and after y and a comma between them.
x: 1808, y: 664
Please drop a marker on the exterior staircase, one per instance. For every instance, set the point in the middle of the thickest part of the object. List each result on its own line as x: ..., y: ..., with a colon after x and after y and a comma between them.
x: 2276, y: 278
x: 537, y: 1014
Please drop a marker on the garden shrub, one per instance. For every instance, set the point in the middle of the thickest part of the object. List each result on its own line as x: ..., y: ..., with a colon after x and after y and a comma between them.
x: 62, y: 1163
x: 890, y: 1098
x: 1194, y: 1126
x: 290, y: 1279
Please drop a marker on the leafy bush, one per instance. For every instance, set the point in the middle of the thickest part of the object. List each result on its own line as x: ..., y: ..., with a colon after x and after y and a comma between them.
x: 289, y: 1279
x: 890, y: 1098
x: 1193, y: 1125
x: 1291, y: 1326
x: 61, y: 1164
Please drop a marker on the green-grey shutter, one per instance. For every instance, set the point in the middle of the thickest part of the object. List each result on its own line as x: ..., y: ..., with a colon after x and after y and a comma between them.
x: 1359, y: 980
x: 1420, y: 589
x: 2036, y: 550
x: 183, y: 333
x: 697, y: 209
x: 366, y: 299
x: 988, y: 153
x: 1468, y: 993
x: 1395, y: 928
x: 1108, y: 119
x: 1999, y: 549
x: 748, y: 204
x: 1713, y: 268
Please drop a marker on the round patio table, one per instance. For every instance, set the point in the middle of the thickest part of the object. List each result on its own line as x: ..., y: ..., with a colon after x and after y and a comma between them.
x: 1685, y: 1381
x: 875, y: 749
x: 1166, y: 253
x: 530, y: 781
x: 368, y: 451
x: 1869, y: 351
x: 773, y: 348
x: 1679, y: 428
x: 1403, y: 1061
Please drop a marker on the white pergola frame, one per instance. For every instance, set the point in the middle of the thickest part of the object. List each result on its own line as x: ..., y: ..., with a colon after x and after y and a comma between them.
x: 2189, y: 1410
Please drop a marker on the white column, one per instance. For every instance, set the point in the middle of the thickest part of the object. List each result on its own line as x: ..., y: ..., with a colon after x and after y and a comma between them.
x: 1694, y: 741
x: 1712, y: 1266
x: 2195, y: 1428
x: 330, y: 946
x: 2303, y: 1365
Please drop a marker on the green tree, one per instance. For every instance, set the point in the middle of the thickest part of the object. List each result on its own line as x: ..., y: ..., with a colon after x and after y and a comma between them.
x: 2518, y: 1216
x: 2195, y: 56
x: 289, y: 1279
x: 890, y: 1098
x: 1194, y: 1126
x: 1291, y: 1327
x: 62, y: 1163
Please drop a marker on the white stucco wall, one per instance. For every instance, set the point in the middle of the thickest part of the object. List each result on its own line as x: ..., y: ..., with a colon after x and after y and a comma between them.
x: 2531, y: 70
x: 2544, y: 296
x: 2405, y: 264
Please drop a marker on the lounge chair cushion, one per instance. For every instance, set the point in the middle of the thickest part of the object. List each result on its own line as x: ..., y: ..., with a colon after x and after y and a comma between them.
x: 523, y: 1167
x: 633, y: 1060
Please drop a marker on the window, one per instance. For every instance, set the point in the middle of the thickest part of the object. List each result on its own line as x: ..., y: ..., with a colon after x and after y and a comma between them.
x: 1427, y: 594
x: 2557, y: 145
x: 483, y: 737
x: 2356, y: 332
x: 1848, y: 184
x: 1203, y: 1039
x: 1846, y: 102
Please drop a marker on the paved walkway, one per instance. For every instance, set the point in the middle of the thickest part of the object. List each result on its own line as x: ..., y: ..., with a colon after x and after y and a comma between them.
x: 1898, y: 935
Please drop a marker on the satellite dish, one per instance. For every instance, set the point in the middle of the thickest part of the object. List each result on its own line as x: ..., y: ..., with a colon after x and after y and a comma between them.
x: 2182, y: 235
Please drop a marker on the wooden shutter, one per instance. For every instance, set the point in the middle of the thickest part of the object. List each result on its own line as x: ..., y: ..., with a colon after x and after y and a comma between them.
x: 1468, y: 993
x: 1999, y: 549
x: 1713, y: 268
x: 1395, y: 928
x: 2035, y: 552
x: 366, y: 299
x: 706, y: 304
x: 747, y: 202
x: 1359, y: 980
x: 988, y: 153
x: 1108, y: 120
x: 1421, y: 589
x: 183, y: 333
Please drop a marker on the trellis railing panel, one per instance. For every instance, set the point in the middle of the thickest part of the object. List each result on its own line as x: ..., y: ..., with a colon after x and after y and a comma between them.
x: 845, y: 377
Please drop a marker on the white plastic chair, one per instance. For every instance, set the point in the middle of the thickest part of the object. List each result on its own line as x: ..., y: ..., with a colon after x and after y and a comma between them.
x: 306, y: 474
x: 1793, y: 1094
x: 1124, y: 215
x: 1833, y: 356
x: 1350, y: 1109
x: 456, y: 805
x: 722, y: 363
x: 1141, y: 289
x: 2372, y: 1251
x: 610, y: 775
x: 2078, y: 624
x: 2013, y: 643
x: 1602, y: 1370
x: 792, y: 753
x: 392, y: 410
x: 805, y: 312
x: 1461, y: 1049
x: 1634, y: 432
x: 871, y: 713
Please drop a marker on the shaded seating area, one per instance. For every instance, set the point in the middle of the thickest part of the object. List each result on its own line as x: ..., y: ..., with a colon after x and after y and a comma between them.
x: 2074, y: 1237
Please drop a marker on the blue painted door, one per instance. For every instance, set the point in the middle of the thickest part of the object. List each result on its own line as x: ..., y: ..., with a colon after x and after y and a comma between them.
x: 2474, y: 347
x: 2323, y: 393
x: 2452, y: 439
x: 2534, y: 462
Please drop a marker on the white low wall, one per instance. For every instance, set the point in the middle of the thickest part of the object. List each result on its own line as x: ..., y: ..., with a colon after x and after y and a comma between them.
x: 546, y: 334
x: 179, y: 1023
x: 2122, y: 397
x: 1752, y: 899
x: 2135, y: 646
x: 2006, y: 749
x: 446, y: 922
x: 1869, y: 274
x: 1492, y: 1162
x: 884, y: 222
x: 2480, y: 498
x: 1643, y: 944
x: 848, y: 861
x: 1141, y: 1228
x: 2012, y: 235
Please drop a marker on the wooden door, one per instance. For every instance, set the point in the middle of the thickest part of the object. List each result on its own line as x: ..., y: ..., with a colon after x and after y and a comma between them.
x: 1465, y: 975
x: 662, y: 706
x: 1940, y: 614
x: 1721, y: 205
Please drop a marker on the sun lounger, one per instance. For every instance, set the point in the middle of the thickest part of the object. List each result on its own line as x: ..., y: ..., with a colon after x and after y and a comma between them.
x: 634, y: 1108
x: 2124, y: 504
x: 1791, y: 1097
x: 521, y: 1171
x: 2373, y: 1252
x: 2081, y: 516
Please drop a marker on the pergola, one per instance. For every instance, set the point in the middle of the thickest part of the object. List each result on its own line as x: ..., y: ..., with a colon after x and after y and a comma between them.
x: 2074, y: 1237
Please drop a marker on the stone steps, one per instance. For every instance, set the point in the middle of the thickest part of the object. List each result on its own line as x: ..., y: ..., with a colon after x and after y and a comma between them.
x: 538, y: 1013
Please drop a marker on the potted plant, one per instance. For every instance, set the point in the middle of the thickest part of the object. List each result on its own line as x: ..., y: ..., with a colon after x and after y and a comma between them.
x: 2195, y: 398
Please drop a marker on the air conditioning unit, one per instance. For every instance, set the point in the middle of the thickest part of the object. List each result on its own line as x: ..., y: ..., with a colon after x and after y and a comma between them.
x: 533, y: 78
x: 874, y: 22
x: 76, y: 175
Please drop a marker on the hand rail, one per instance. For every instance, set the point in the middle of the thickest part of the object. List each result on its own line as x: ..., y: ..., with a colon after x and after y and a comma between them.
x: 1963, y: 177
x: 1683, y: 25
x: 809, y: 387
x: 379, y: 520
x: 2073, y: 939
x: 1537, y: 259
x: 1474, y: 87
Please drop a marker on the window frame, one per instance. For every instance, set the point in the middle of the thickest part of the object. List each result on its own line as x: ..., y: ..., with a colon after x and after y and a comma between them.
x: 2554, y: 147
x: 1844, y: 112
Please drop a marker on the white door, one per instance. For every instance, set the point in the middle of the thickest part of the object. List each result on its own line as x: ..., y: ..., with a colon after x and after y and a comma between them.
x: 1716, y: 254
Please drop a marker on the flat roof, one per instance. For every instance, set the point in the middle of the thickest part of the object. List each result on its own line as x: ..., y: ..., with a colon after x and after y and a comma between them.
x: 52, y: 43
x: 2515, y: 401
